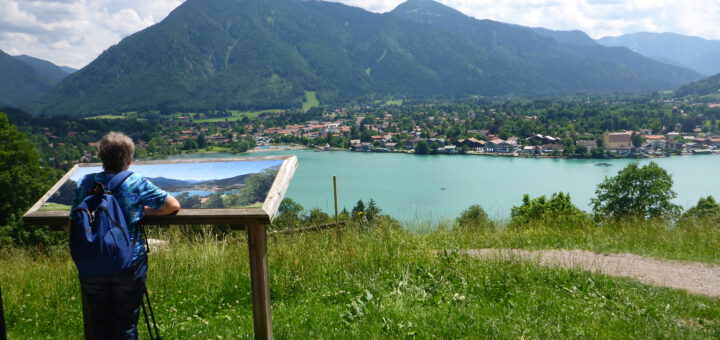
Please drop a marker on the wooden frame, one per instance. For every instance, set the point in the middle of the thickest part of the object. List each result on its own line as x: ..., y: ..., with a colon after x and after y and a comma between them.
x: 263, y: 215
x: 254, y: 218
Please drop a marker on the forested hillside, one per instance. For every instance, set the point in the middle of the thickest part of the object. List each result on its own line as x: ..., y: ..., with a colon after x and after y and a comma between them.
x: 701, y: 88
x: 19, y: 83
x: 254, y: 54
x: 551, y: 60
x: 45, y: 68
x: 695, y: 53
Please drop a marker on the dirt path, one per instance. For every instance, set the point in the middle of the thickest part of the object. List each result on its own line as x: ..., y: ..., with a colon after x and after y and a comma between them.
x: 695, y: 277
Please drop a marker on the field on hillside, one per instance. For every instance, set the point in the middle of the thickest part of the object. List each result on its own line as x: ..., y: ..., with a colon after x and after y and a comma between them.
x: 383, y: 282
x: 310, y: 101
x: 235, y: 116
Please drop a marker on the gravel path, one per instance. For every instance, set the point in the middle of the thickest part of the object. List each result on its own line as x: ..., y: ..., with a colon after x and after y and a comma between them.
x: 695, y: 277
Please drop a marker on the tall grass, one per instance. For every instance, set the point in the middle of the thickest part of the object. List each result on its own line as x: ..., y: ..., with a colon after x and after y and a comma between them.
x: 380, y: 283
x: 696, y: 240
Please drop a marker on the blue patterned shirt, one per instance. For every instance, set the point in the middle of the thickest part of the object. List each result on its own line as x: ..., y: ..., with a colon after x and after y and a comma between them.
x: 135, y: 193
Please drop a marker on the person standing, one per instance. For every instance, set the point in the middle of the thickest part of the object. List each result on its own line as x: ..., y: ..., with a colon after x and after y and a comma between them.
x: 112, y: 302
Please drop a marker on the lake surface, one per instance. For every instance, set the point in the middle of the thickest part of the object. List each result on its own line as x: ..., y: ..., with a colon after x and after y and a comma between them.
x: 422, y: 188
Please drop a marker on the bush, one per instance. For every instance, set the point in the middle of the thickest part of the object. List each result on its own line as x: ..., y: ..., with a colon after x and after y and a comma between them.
x: 557, y: 211
x: 473, y: 218
x: 289, y: 215
x: 706, y: 209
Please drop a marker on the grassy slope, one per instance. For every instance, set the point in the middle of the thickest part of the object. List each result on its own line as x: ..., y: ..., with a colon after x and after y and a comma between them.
x: 236, y: 115
x: 310, y: 101
x: 698, y: 242
x: 383, y: 283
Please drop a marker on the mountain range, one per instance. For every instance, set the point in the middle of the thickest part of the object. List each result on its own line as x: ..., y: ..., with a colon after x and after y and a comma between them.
x: 256, y: 54
x: 703, y: 87
x: 556, y: 59
x: 20, y: 83
x: 24, y: 78
x: 695, y: 53
x: 45, y: 68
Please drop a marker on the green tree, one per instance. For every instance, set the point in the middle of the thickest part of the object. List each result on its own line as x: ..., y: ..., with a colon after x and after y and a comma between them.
x: 556, y: 211
x: 372, y: 211
x: 317, y: 216
x: 473, y: 218
x: 642, y: 192
x: 190, y: 144
x: 358, y: 211
x: 201, y: 141
x: 22, y: 182
x: 581, y: 151
x: 706, y: 208
x: 288, y: 215
x: 422, y: 148
x: 636, y: 140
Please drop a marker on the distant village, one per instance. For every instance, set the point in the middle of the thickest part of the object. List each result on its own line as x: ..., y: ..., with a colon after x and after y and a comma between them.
x: 638, y: 144
x: 420, y: 129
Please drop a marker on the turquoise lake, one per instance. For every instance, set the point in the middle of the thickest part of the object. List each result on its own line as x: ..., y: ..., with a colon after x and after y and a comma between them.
x: 428, y: 188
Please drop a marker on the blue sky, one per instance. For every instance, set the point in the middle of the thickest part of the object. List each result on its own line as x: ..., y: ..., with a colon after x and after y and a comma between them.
x: 74, y: 32
x: 191, y: 171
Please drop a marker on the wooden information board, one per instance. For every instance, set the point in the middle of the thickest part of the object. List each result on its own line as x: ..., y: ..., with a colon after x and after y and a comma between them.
x: 237, y: 191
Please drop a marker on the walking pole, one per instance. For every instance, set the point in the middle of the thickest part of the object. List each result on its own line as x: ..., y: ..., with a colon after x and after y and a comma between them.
x: 337, y: 220
x: 3, y: 334
x: 152, y: 317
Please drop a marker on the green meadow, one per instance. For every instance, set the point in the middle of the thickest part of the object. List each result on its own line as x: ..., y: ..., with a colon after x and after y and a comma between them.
x: 235, y: 116
x: 380, y: 281
x: 310, y: 101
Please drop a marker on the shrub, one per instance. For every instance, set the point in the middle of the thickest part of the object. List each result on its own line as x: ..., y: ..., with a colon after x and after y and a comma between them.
x: 473, y: 218
x: 556, y: 211
x: 706, y: 209
x: 289, y: 215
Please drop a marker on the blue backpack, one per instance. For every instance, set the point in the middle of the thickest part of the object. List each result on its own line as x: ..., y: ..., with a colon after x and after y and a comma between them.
x: 100, y: 243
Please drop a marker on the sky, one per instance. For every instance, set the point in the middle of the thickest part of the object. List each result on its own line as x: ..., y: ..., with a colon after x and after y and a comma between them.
x: 74, y: 32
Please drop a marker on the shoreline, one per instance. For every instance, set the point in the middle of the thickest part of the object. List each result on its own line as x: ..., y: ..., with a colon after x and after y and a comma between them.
x: 476, y: 153
x: 470, y: 153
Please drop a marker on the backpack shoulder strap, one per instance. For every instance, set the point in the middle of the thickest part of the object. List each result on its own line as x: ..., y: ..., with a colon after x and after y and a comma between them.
x: 87, y: 183
x: 118, y: 180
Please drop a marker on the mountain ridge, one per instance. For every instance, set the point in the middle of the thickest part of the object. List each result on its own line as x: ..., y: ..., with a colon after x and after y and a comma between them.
x: 20, y: 83
x: 699, y: 54
x: 707, y: 86
x: 260, y: 54
x: 45, y: 68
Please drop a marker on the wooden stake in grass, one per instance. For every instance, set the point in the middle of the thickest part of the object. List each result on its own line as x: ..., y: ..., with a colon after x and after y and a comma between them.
x: 3, y: 335
x: 337, y: 219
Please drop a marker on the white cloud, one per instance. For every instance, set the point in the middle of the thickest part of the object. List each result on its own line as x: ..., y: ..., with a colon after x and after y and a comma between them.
x: 74, y: 32
x: 598, y: 18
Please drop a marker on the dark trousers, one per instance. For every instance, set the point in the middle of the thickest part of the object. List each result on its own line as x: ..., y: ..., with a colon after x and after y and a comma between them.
x: 113, y: 303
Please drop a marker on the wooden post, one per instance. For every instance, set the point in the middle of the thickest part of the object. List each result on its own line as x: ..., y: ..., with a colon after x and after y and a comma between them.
x: 262, y: 318
x: 3, y: 334
x: 337, y: 219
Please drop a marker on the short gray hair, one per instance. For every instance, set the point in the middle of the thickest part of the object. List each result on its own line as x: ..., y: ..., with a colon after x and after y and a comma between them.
x: 115, y: 150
